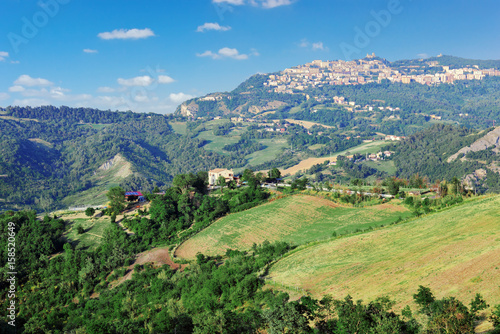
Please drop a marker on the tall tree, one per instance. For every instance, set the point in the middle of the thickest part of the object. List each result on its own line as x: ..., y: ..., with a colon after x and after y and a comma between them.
x: 116, y: 197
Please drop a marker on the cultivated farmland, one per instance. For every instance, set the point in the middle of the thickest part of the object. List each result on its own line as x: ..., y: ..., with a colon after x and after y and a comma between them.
x: 296, y: 219
x: 454, y: 252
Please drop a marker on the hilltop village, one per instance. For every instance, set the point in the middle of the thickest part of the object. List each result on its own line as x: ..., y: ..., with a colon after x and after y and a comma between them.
x: 368, y: 70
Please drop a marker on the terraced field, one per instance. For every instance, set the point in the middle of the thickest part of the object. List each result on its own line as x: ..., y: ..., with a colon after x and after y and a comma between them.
x: 296, y: 219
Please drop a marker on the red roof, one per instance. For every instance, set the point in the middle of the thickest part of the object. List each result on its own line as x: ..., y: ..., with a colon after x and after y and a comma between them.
x: 133, y: 193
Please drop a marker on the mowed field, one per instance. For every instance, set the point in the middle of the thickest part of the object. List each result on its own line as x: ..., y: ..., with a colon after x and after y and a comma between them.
x: 455, y: 252
x: 368, y: 147
x: 296, y: 219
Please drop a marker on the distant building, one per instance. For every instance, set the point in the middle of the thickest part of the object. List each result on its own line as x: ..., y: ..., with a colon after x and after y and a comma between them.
x: 214, y: 174
x: 132, y: 196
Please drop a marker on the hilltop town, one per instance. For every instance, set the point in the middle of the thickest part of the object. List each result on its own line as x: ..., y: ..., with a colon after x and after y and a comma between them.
x: 370, y: 69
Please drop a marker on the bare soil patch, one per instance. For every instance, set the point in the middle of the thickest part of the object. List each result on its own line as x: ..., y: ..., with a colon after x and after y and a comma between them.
x: 157, y: 257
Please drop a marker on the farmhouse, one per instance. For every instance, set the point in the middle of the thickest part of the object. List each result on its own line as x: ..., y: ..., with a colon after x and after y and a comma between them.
x: 132, y: 196
x: 214, y: 174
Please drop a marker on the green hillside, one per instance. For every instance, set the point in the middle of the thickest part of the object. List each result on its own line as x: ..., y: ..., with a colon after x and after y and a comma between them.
x: 295, y: 219
x: 454, y: 252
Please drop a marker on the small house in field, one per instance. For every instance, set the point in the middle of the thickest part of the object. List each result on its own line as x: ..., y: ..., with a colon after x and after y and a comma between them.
x: 214, y: 174
x: 133, y: 196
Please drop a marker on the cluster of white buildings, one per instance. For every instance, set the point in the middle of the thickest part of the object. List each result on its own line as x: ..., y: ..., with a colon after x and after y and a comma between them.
x: 358, y: 72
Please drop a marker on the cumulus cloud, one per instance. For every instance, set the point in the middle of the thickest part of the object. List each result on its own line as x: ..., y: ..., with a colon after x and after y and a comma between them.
x: 165, y: 79
x: 3, y: 55
x: 26, y: 80
x: 212, y: 26
x: 127, y: 34
x: 227, y: 53
x: 4, y: 96
x: 16, y: 89
x: 180, y: 97
x: 90, y: 51
x: 144, y: 81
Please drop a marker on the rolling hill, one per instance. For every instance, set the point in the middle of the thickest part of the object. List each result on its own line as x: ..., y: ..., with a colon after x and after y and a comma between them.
x: 454, y: 252
x: 296, y: 219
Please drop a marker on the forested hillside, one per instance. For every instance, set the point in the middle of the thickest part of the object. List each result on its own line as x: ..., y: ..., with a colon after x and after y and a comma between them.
x: 48, y: 153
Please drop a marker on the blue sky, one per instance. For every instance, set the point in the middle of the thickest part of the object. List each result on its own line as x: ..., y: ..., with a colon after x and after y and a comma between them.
x: 149, y: 56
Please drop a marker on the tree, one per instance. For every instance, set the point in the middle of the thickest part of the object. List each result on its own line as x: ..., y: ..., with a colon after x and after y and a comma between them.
x: 247, y: 175
x: 89, y: 212
x: 495, y: 317
x: 478, y: 304
x: 80, y: 229
x: 274, y: 174
x: 116, y: 197
x: 392, y: 186
x: 221, y: 182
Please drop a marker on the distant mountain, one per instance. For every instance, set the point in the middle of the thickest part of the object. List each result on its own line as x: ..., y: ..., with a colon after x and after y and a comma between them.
x: 419, y: 85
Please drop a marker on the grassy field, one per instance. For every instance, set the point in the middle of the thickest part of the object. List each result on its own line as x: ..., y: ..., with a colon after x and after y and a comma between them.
x: 179, y: 127
x: 94, y: 230
x: 273, y: 148
x: 217, y: 142
x: 383, y: 166
x: 296, y: 219
x: 307, y: 124
x: 455, y: 252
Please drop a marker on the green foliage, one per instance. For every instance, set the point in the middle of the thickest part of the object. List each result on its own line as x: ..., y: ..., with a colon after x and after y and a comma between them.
x: 426, y: 153
x: 300, y: 184
x: 478, y: 304
x: 116, y: 197
x: 447, y: 315
x: 495, y: 317
x: 89, y: 212
x: 80, y: 229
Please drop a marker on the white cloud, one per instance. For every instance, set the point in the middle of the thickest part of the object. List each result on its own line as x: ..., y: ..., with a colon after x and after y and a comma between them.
x: 231, y: 2
x: 275, y: 3
x: 127, y: 34
x: 4, y: 96
x: 258, y: 3
x: 227, y: 53
x: 90, y: 51
x: 26, y: 80
x: 232, y: 53
x: 268, y: 4
x: 318, y: 46
x: 16, y: 89
x: 423, y: 55
x: 180, y: 97
x: 212, y: 26
x: 105, y: 90
x: 3, y: 55
x: 14, y: 61
x: 304, y: 43
x: 144, y: 81
x: 165, y: 79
